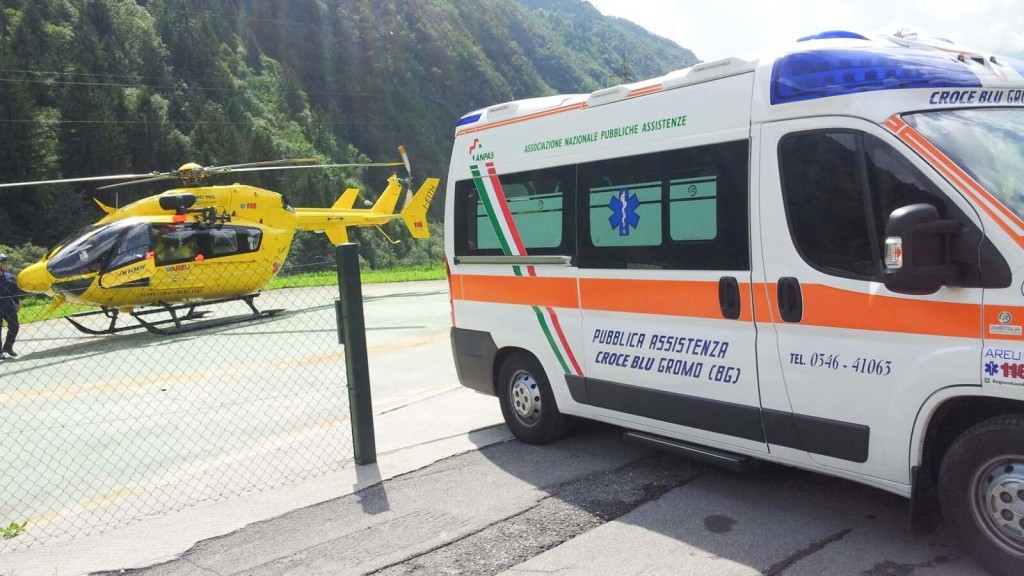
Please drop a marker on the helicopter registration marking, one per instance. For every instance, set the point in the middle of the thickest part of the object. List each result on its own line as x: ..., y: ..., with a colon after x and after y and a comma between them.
x: 132, y: 270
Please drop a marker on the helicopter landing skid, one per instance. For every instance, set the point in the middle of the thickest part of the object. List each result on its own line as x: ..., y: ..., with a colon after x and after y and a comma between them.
x: 113, y: 328
x: 193, y: 314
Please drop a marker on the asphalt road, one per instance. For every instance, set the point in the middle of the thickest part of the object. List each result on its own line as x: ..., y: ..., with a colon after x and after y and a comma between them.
x: 591, y: 504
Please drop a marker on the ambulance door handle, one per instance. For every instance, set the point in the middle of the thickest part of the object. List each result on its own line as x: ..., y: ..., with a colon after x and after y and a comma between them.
x: 791, y: 302
x: 729, y: 297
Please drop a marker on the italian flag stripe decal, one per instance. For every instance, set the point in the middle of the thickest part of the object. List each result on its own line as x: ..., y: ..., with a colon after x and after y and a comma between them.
x: 485, y: 197
x: 500, y: 216
x: 510, y: 224
x: 551, y: 339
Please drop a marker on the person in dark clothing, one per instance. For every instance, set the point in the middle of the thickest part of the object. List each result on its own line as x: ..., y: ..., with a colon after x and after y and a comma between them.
x: 10, y: 305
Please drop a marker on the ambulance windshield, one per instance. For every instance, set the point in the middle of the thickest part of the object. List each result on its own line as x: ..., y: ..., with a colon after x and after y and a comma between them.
x: 988, y: 144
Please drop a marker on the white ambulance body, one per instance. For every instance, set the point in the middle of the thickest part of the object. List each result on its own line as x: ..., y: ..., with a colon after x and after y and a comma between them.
x: 813, y: 258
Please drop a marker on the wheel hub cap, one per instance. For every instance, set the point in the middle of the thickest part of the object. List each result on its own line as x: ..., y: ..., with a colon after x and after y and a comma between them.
x: 999, y: 502
x: 525, y: 398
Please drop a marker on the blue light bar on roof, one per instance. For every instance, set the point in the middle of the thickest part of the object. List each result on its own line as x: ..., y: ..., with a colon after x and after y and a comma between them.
x: 826, y: 73
x: 469, y: 119
x: 828, y: 34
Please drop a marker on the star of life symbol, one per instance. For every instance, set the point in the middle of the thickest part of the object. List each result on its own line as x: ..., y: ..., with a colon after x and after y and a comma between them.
x: 991, y: 368
x: 624, y: 214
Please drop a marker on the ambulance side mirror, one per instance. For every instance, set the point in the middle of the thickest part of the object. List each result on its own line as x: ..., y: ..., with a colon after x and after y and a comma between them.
x: 918, y: 250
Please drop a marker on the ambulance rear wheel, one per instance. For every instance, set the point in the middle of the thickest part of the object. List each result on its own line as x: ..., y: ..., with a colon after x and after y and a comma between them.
x: 981, y: 492
x: 527, y: 403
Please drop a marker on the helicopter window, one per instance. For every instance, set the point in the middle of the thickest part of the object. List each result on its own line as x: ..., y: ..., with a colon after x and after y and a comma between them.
x: 229, y: 240
x: 225, y: 241
x: 133, y: 247
x: 253, y: 237
x: 173, y: 243
x: 68, y: 239
x: 86, y: 253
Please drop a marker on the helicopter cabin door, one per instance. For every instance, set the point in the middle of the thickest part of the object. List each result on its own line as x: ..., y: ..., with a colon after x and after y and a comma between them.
x: 176, y: 257
x: 128, y: 264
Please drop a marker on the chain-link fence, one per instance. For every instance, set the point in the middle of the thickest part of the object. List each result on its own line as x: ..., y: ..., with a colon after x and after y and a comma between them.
x: 100, y: 430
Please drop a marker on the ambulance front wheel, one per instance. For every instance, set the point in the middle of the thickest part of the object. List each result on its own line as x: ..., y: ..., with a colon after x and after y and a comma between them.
x: 981, y: 492
x: 527, y: 402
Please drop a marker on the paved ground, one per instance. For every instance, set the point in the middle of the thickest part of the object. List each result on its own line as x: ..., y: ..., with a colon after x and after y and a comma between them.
x: 591, y: 504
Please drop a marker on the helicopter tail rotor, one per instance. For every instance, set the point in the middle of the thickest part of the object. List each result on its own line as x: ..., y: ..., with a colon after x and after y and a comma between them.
x: 407, y: 181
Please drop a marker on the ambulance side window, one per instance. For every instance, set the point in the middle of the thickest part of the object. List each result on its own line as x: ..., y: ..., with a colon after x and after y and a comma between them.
x: 839, y: 188
x: 683, y: 209
x: 896, y: 183
x: 822, y: 180
x: 540, y: 203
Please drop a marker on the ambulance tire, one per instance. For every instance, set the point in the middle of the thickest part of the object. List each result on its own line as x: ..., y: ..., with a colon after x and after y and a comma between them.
x: 981, y: 493
x: 527, y: 402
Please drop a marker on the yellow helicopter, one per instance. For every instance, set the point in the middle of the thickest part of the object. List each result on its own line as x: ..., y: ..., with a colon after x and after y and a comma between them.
x: 200, y: 244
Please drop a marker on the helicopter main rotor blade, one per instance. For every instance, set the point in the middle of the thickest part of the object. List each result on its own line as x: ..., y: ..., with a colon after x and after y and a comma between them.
x: 134, y: 182
x: 90, y: 179
x: 317, y: 166
x: 264, y: 163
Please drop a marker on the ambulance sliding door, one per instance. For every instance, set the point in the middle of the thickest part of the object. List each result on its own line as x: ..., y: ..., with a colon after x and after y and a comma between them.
x: 664, y: 266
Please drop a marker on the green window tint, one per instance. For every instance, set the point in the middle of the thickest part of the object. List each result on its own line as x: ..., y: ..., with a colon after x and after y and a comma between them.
x: 538, y: 218
x: 627, y: 215
x: 682, y: 209
x: 536, y: 203
x: 693, y: 209
x: 486, y: 239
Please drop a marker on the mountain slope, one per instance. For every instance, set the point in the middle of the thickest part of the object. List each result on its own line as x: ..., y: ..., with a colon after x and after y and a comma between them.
x: 117, y: 86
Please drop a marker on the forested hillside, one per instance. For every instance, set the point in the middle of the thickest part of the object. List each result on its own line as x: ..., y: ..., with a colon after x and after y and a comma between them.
x: 93, y: 87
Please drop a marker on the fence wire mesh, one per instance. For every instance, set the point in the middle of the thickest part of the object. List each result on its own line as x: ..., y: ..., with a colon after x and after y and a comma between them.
x: 99, y: 431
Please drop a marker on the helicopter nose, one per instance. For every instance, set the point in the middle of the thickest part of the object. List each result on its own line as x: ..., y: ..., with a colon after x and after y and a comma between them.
x: 35, y: 279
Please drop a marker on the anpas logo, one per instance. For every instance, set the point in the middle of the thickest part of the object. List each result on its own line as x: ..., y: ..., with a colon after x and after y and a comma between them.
x: 476, y: 152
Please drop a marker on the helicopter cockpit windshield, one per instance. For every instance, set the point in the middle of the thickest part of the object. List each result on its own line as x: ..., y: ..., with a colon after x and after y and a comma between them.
x: 88, y: 252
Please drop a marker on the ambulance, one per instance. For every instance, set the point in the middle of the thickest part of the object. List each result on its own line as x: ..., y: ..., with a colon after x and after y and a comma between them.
x: 814, y: 258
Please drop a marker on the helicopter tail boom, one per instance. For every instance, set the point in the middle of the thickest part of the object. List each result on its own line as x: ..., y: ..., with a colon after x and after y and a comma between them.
x: 335, y: 221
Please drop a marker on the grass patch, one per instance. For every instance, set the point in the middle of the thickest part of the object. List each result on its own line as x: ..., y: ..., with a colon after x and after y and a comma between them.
x: 330, y: 278
x: 14, y: 530
x: 34, y: 307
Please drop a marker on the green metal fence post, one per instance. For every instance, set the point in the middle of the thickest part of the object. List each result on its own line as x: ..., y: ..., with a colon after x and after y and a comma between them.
x: 352, y: 329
